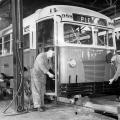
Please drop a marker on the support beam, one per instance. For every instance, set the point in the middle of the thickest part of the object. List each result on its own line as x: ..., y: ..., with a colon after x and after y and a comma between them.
x: 17, y: 18
x: 108, y: 8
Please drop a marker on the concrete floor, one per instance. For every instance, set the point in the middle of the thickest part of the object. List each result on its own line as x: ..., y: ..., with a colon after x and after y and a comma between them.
x: 54, y: 112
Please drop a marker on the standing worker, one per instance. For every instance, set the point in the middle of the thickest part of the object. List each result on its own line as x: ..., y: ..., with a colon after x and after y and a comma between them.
x: 116, y: 62
x: 38, y: 78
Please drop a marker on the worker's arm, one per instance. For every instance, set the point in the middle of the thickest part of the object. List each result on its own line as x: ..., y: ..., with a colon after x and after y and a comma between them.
x: 44, y: 69
x: 113, y: 58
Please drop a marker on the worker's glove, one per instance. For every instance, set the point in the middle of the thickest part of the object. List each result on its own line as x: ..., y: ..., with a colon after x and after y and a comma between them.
x: 50, y: 75
x: 112, y: 62
x: 1, y: 80
x: 111, y: 81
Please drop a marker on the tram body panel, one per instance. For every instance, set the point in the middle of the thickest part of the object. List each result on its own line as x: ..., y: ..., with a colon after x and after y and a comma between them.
x: 90, y: 65
x: 6, y: 62
x: 94, y: 65
x: 68, y: 73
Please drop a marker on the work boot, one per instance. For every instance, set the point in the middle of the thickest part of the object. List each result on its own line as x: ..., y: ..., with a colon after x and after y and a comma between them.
x: 34, y: 109
x: 41, y: 109
x: 44, y: 108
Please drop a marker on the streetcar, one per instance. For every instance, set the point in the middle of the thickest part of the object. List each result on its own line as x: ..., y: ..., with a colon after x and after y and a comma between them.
x: 83, y: 41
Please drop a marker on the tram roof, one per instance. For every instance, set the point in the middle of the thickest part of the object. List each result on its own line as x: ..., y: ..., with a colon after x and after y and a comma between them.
x: 50, y: 10
x: 57, y: 9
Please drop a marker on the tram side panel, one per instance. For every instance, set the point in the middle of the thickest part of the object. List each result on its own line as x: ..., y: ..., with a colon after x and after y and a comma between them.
x: 6, y: 65
x: 6, y: 62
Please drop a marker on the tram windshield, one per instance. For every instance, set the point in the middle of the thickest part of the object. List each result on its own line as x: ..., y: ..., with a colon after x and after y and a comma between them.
x: 77, y: 34
x: 82, y: 34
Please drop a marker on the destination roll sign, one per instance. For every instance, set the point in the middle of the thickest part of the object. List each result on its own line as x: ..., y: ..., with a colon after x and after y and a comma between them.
x: 82, y: 18
x: 89, y: 19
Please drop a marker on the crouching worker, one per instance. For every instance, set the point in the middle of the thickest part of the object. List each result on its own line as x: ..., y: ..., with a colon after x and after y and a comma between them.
x: 115, y: 60
x: 27, y: 88
x: 38, y: 79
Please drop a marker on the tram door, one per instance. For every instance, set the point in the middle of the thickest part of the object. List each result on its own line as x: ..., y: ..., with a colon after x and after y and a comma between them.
x: 45, y: 38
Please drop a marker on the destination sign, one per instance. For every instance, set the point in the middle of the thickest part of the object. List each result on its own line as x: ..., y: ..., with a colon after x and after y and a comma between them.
x: 82, y: 18
x: 89, y: 19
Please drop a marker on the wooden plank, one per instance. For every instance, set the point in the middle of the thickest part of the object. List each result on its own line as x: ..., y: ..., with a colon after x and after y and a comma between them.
x: 105, y: 108
x: 108, y: 105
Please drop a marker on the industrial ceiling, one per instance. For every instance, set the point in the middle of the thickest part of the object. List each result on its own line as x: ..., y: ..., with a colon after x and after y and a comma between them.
x: 111, y: 8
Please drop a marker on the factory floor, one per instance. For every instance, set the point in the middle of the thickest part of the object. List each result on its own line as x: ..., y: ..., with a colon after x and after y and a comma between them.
x: 60, y: 111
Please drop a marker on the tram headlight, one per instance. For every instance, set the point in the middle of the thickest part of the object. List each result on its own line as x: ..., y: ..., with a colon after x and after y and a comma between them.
x: 72, y: 63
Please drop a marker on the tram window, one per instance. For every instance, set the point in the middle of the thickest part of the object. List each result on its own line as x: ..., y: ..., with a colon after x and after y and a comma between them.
x: 102, y: 37
x: 7, y: 44
x: 110, y: 39
x: 118, y: 44
x: 11, y: 42
x: 45, y: 32
x: 117, y: 35
x: 77, y: 34
x: 26, y: 39
x: 0, y: 46
x: 117, y: 38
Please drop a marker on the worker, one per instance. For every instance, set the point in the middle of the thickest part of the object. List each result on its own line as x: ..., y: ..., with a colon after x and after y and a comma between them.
x: 115, y: 60
x: 38, y: 78
x: 27, y: 88
x: 27, y: 81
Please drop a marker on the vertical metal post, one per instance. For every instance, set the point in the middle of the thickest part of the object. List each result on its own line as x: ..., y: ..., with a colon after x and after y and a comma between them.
x: 17, y: 18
